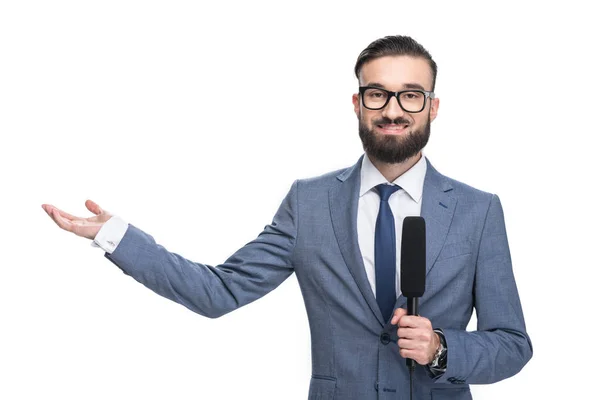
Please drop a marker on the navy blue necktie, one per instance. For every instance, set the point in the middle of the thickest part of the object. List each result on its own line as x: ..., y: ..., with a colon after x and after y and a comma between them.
x: 385, y: 252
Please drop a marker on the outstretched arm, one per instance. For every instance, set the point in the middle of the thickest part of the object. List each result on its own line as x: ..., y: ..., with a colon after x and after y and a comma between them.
x: 250, y: 273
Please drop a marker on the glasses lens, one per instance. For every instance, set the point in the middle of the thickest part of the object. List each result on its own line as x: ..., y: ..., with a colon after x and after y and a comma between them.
x: 374, y: 98
x: 412, y: 101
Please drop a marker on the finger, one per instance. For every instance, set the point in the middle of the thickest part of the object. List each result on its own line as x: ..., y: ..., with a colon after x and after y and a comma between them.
x: 414, y: 321
x: 419, y: 335
x: 74, y: 226
x: 60, y: 221
x: 408, y: 353
x: 413, y: 354
x: 93, y: 207
x: 407, y: 333
x: 398, y: 313
x: 63, y: 214
x: 408, y: 344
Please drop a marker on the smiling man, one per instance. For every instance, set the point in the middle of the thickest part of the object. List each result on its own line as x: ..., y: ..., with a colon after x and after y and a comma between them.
x: 339, y: 232
x: 395, y: 106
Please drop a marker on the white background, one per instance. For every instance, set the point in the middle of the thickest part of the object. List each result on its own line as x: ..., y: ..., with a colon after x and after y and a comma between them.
x: 156, y: 110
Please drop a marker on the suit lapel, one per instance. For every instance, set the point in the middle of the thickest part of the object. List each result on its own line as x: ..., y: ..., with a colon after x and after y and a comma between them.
x: 343, y: 204
x: 437, y: 209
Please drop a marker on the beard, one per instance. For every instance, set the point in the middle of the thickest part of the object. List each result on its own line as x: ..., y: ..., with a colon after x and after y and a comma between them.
x: 392, y: 149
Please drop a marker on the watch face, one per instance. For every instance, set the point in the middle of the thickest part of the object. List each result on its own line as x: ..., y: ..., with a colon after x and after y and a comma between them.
x: 438, y: 355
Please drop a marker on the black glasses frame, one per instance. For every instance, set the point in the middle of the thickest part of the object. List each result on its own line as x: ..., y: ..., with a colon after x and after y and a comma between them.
x: 390, y: 94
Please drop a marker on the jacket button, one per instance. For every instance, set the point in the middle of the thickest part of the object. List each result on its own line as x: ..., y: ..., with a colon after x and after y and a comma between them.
x: 384, y: 338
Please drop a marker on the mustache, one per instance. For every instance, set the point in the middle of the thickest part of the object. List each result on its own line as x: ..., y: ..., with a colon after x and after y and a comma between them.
x: 387, y: 121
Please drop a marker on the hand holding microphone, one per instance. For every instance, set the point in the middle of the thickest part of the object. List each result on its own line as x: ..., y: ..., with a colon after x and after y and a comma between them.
x: 417, y: 340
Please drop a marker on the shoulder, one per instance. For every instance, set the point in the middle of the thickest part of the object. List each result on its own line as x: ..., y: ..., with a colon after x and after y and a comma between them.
x: 461, y: 191
x: 325, y: 179
x: 465, y: 190
x: 329, y: 179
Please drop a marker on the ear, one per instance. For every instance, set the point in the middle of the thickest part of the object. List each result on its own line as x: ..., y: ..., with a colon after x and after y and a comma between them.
x: 356, y: 102
x: 433, y: 110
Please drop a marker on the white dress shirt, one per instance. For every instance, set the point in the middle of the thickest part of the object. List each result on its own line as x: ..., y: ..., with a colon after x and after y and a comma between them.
x: 404, y: 202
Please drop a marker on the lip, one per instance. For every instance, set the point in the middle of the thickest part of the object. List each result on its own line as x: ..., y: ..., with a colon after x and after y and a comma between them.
x: 392, y: 131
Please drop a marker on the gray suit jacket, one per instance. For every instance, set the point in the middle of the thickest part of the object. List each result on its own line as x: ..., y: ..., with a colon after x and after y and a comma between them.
x: 354, y: 351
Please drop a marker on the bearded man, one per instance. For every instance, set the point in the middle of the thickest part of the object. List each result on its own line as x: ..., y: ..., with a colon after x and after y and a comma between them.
x: 339, y: 232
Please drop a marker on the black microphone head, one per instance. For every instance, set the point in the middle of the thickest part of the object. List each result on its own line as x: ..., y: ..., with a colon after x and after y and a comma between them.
x: 412, y: 257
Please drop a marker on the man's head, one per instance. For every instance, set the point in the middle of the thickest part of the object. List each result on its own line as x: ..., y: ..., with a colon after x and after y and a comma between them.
x: 392, y: 133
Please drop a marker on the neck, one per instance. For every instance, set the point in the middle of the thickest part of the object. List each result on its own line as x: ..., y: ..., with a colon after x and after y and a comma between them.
x: 392, y: 171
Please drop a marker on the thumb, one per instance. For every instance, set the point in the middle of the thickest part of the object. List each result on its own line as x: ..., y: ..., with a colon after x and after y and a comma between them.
x: 93, y: 207
x: 398, y: 312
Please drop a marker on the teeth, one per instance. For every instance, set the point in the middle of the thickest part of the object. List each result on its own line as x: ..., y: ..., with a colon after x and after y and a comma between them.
x: 392, y: 127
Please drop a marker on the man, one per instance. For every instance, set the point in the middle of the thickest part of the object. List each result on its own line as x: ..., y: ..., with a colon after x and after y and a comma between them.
x: 340, y: 232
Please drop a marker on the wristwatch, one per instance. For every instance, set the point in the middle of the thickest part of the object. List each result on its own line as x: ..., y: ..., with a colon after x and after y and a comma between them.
x: 441, y: 350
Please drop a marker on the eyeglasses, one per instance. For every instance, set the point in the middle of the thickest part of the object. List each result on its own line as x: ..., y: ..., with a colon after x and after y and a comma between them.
x: 412, y: 101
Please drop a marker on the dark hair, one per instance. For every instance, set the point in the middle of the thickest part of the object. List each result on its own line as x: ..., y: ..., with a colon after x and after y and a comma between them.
x: 395, y: 46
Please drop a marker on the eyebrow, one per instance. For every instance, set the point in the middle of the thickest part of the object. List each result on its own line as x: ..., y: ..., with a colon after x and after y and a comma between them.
x: 405, y: 86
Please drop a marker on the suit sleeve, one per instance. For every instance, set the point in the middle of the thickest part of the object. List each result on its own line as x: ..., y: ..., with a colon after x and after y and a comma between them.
x: 501, y: 346
x: 212, y: 291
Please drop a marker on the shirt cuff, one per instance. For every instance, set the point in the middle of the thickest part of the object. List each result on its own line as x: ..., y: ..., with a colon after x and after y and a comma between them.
x: 110, y: 234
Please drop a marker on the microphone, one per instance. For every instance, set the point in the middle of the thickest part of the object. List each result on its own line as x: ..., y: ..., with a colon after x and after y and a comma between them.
x: 412, y: 267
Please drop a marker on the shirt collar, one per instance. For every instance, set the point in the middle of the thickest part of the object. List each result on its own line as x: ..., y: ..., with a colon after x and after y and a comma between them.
x: 411, y: 181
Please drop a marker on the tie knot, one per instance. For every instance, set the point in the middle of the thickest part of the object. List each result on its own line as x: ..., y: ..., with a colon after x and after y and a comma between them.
x: 385, y: 190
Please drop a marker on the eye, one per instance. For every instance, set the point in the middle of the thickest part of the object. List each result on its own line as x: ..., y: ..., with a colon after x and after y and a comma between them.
x: 412, y: 96
x: 376, y: 94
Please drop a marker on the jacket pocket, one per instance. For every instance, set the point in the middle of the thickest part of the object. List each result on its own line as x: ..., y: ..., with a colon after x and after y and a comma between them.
x: 321, y: 387
x: 452, y: 250
x: 463, y: 393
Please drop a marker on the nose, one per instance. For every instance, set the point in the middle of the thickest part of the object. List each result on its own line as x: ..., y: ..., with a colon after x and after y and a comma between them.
x: 392, y: 109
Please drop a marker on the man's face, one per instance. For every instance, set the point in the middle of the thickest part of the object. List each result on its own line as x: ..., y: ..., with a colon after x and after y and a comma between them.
x: 392, y: 135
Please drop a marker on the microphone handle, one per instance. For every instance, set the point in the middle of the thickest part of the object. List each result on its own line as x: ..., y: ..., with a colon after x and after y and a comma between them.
x: 412, y: 308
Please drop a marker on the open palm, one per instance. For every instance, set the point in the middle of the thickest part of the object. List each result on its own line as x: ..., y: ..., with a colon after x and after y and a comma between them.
x: 84, y: 227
